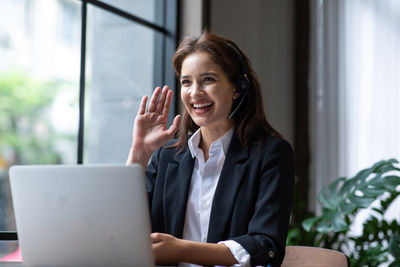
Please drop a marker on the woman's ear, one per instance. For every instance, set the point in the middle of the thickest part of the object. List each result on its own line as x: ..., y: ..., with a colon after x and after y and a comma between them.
x: 235, y: 94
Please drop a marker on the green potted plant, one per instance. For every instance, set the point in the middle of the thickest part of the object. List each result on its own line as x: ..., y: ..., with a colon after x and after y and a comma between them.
x: 343, y: 199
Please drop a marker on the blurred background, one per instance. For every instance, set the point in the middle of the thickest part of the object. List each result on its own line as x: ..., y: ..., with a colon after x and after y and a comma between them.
x: 72, y: 74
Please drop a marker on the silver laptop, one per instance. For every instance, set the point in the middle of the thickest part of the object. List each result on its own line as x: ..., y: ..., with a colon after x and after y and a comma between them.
x: 82, y: 215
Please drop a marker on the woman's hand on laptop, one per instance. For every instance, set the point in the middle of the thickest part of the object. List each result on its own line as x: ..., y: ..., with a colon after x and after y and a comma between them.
x: 168, y: 249
x: 150, y: 127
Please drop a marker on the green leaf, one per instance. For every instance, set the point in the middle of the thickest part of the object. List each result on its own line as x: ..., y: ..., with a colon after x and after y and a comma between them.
x: 396, y: 263
x: 384, y: 166
x: 293, y: 237
x: 347, y: 208
x: 348, y: 187
x: 333, y: 191
x: 394, y: 246
x: 324, y: 201
x: 338, y: 224
x: 391, y: 182
x: 310, y: 222
x: 370, y: 226
x: 393, y: 161
x: 362, y: 202
x: 324, y: 228
x: 364, y: 174
x: 372, y: 192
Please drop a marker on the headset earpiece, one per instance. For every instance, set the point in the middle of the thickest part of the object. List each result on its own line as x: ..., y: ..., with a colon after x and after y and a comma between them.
x: 243, y: 83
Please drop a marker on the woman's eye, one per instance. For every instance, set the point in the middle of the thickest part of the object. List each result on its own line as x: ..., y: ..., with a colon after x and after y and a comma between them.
x: 185, y: 82
x: 209, y: 79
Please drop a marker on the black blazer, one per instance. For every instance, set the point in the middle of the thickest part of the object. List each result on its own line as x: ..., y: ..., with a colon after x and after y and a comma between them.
x: 252, y: 201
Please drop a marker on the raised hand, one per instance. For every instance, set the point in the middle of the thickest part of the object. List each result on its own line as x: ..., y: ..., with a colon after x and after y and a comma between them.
x: 150, y: 128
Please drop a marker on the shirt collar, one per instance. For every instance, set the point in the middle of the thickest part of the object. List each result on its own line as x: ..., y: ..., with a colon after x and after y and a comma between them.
x: 194, y: 142
x: 223, y: 141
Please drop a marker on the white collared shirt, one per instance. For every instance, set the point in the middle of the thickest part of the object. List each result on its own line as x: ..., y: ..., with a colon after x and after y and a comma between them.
x: 204, y: 181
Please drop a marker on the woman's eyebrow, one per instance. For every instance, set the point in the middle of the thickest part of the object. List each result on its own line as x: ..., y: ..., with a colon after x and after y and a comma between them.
x: 201, y: 75
x: 185, y: 77
x: 209, y: 73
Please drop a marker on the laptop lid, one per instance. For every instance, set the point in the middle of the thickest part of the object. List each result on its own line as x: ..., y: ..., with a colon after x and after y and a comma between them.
x: 82, y: 215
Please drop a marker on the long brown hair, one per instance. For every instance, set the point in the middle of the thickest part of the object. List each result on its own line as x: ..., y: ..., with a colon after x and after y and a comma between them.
x: 251, y: 125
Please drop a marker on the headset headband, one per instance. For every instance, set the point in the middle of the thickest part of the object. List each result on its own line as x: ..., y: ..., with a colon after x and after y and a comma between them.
x: 243, y: 82
x: 243, y: 65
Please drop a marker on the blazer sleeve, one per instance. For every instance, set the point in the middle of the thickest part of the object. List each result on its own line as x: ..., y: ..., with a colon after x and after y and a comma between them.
x: 151, y: 174
x: 267, y: 229
x: 155, y: 176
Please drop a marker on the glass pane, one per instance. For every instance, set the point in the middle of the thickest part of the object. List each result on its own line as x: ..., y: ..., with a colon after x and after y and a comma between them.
x: 150, y: 10
x: 39, y: 77
x: 120, y: 71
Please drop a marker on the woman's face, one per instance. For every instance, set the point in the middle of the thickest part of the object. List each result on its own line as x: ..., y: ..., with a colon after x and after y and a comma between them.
x: 206, y: 92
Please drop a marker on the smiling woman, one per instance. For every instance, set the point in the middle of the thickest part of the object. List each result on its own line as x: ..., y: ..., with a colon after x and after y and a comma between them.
x: 221, y: 193
x: 207, y: 94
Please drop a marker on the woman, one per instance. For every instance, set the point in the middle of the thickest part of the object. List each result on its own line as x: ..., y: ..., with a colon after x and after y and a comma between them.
x: 220, y: 194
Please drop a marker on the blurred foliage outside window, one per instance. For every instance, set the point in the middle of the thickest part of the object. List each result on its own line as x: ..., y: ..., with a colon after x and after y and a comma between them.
x: 27, y: 135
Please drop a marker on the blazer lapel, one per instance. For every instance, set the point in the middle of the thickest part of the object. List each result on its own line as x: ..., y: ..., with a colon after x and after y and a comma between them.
x: 229, y: 181
x: 178, y: 177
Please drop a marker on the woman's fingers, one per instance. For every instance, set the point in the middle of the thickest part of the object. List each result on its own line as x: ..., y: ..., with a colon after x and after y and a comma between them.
x: 156, y: 237
x: 161, y: 100
x: 158, y: 109
x: 174, y: 127
x: 167, y: 104
x: 142, y: 107
x: 153, y: 100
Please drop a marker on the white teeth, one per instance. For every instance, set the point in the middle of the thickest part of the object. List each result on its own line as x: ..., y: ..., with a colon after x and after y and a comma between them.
x: 202, y: 105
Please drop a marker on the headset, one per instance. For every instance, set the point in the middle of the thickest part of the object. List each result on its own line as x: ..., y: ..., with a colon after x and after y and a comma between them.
x: 243, y: 83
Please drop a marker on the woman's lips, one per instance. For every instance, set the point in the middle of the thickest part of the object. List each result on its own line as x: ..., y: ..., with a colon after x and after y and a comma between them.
x: 202, y: 108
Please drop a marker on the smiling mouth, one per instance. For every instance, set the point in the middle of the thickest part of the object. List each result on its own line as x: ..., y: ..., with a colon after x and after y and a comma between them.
x: 200, y: 106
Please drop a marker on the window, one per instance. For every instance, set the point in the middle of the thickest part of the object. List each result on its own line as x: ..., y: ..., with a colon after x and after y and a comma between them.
x: 39, y: 77
x: 116, y: 82
x: 70, y: 99
x: 68, y: 20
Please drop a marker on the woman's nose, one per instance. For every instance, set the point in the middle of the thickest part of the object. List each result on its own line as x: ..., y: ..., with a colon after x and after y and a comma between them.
x: 197, y: 90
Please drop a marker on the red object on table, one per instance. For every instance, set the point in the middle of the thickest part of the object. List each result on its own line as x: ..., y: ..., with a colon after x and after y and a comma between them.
x: 13, y: 257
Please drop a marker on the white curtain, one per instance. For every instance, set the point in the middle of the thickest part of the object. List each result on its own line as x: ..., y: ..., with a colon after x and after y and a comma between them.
x: 355, y: 87
x: 371, y: 82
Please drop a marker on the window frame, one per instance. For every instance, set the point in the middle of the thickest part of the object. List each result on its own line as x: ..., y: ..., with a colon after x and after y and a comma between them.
x: 163, y: 71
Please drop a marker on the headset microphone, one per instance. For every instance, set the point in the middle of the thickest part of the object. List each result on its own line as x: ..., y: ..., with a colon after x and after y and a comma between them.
x: 243, y: 83
x: 238, y: 105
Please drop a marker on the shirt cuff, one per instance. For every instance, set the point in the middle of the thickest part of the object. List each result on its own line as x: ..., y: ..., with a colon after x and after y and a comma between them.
x: 240, y: 254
